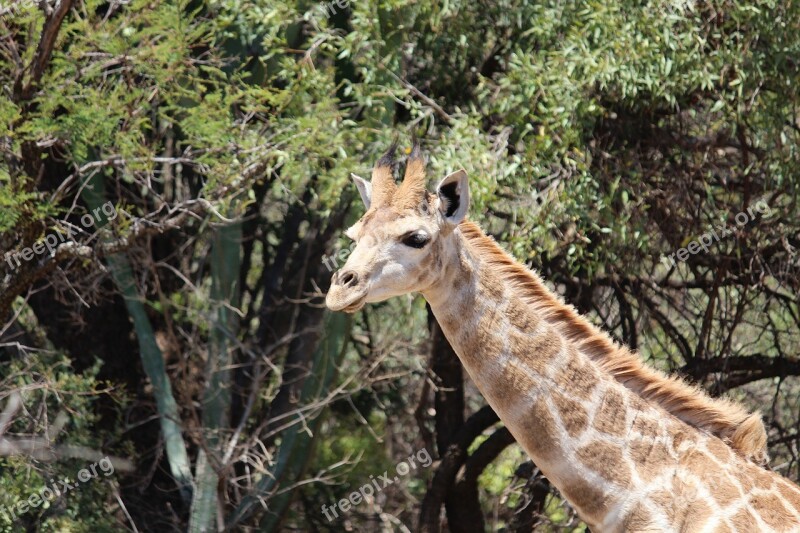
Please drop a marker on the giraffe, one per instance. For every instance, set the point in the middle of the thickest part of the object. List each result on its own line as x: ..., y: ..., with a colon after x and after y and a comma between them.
x: 629, y: 447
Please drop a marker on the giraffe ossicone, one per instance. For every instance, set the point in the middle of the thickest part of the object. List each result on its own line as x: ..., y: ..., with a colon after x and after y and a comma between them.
x: 631, y: 448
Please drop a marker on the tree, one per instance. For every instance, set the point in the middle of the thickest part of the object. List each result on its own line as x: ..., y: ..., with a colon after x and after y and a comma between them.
x: 175, y: 190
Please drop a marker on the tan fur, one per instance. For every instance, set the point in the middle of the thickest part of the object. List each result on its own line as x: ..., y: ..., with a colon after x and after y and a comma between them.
x: 573, y: 415
x: 539, y: 431
x: 612, y: 403
x: 742, y: 430
x: 610, y: 459
x: 591, y: 500
x: 383, y: 185
x: 412, y: 191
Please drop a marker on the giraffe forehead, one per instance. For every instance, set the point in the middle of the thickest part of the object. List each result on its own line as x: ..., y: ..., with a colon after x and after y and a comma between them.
x: 387, y: 223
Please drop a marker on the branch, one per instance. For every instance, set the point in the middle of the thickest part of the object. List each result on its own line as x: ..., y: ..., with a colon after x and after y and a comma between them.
x: 48, y: 40
x: 741, y: 370
x: 16, y: 282
x: 40, y: 448
x: 529, y: 511
x: 465, y: 492
x: 422, y: 96
x: 452, y: 460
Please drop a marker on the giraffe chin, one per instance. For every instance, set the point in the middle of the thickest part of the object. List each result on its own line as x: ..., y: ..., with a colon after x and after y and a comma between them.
x: 352, y: 308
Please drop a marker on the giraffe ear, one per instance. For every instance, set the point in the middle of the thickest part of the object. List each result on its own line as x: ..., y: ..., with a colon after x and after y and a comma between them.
x: 364, y: 189
x: 453, y: 194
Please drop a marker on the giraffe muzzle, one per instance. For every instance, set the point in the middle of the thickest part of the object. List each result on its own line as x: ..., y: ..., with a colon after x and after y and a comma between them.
x: 348, y: 292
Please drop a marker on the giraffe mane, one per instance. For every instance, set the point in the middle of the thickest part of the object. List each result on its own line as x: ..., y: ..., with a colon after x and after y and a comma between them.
x: 741, y: 430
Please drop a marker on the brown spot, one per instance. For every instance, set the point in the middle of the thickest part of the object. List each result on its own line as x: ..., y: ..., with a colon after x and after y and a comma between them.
x: 679, y: 437
x: 573, y: 415
x: 790, y: 492
x: 697, y: 513
x: 483, y: 343
x: 466, y: 295
x: 762, y: 478
x: 610, y: 417
x: 650, y: 457
x: 577, y: 376
x: 638, y: 519
x: 522, y: 316
x: 449, y: 322
x: 721, y: 486
x: 439, y: 258
x: 719, y: 450
x: 493, y: 291
x: 772, y: 511
x: 644, y: 425
x: 537, y: 432
x: 607, y: 460
x: 513, y: 383
x: 746, y: 481
x: 636, y: 403
x: 697, y: 461
x: 744, y: 521
x: 590, y: 502
x: 537, y: 351
x: 665, y: 500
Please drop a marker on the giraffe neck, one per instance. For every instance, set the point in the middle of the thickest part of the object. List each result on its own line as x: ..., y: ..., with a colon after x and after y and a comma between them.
x: 549, y: 395
x: 622, y: 462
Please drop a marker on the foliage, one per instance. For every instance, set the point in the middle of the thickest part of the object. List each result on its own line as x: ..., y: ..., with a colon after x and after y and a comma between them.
x: 53, y: 389
x: 600, y: 137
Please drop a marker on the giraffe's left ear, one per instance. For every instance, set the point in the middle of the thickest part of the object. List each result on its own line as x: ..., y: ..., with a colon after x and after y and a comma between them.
x: 453, y: 194
x: 364, y: 189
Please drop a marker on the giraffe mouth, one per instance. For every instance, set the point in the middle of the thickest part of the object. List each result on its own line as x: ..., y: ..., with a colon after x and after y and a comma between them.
x: 352, y: 308
x: 338, y: 300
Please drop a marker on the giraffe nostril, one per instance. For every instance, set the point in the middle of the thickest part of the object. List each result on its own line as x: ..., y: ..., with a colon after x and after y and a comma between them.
x: 348, y: 279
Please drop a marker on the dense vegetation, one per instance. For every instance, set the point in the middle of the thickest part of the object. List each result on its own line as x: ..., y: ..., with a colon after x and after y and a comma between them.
x: 174, y: 184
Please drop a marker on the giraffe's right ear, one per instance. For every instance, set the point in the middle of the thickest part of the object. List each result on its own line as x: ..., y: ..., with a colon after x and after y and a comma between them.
x: 364, y: 189
x: 453, y: 194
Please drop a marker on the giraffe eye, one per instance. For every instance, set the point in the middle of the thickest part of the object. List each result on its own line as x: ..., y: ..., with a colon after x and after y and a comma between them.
x: 416, y: 240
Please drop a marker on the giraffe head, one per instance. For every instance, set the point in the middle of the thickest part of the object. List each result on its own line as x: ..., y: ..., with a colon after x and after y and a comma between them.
x: 401, y: 238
